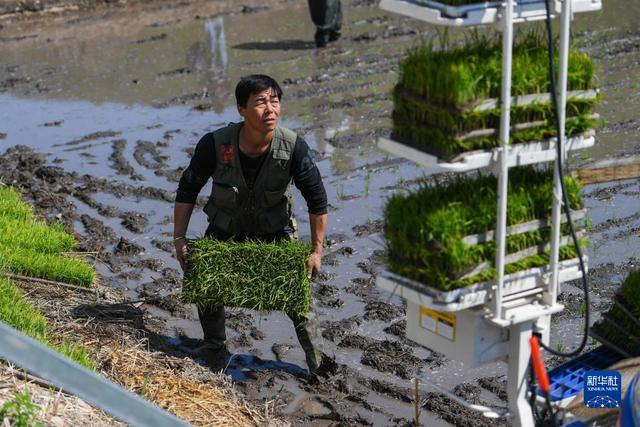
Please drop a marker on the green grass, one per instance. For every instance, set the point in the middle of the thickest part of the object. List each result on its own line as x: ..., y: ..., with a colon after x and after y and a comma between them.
x: 20, y: 411
x: 20, y: 315
x: 253, y: 275
x: 425, y: 230
x: 31, y: 247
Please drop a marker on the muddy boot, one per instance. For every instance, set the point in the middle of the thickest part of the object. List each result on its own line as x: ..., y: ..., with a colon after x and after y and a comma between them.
x: 212, y: 322
x: 213, y: 352
x: 306, y: 331
x: 215, y: 358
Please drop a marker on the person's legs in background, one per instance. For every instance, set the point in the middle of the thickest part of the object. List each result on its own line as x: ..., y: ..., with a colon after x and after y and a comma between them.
x: 327, y: 17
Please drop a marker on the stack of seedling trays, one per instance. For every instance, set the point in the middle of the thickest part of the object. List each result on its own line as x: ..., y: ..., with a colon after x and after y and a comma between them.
x: 253, y: 275
x: 440, y: 239
x: 619, y: 327
x: 446, y: 102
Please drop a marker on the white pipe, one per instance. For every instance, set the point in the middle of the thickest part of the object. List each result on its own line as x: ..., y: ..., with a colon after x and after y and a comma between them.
x: 503, y: 173
x: 519, y: 355
x: 561, y: 88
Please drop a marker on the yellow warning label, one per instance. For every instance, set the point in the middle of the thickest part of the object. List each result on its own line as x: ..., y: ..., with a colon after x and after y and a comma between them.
x: 438, y: 322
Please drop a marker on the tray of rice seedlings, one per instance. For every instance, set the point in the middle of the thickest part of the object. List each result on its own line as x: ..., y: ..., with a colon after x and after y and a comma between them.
x: 629, y: 293
x: 441, y: 236
x: 615, y: 337
x: 446, y: 102
x: 619, y: 327
x: 253, y: 275
x: 476, y: 12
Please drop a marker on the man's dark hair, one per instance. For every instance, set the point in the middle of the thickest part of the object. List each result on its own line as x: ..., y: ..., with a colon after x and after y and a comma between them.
x: 255, y: 83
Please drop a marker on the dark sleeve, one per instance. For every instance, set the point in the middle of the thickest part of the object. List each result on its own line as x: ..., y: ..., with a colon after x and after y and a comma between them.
x: 201, y: 167
x: 306, y: 177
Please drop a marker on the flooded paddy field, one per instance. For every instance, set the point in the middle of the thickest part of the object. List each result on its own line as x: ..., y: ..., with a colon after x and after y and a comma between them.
x: 100, y: 112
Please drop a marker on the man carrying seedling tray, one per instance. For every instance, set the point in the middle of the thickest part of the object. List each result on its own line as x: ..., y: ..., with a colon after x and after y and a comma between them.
x: 252, y: 165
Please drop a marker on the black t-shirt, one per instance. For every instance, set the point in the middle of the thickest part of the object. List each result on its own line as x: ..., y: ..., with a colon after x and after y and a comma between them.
x: 304, y: 171
x: 251, y: 166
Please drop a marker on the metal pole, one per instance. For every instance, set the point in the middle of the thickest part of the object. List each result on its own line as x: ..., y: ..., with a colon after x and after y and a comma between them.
x: 556, y: 213
x: 503, y: 173
x: 519, y: 355
x: 57, y: 369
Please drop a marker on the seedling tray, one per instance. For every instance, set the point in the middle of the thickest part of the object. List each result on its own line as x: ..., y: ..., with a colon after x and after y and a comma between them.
x: 481, y: 13
x: 527, y: 282
x: 519, y: 154
x: 567, y: 380
x: 612, y: 336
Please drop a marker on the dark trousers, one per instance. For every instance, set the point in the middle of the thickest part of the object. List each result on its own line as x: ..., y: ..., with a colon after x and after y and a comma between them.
x: 326, y: 14
x: 212, y: 319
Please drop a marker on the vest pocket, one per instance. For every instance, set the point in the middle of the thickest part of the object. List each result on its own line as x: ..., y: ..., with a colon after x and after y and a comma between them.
x: 273, y: 198
x: 225, y: 195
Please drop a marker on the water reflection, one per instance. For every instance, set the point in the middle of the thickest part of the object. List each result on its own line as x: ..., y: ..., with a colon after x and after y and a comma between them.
x: 214, y: 29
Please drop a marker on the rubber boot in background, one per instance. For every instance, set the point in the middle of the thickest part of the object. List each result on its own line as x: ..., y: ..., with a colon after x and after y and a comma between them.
x: 327, y: 17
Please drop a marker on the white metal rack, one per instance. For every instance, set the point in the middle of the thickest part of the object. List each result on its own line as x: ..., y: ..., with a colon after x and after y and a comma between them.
x: 494, y: 320
x: 481, y: 13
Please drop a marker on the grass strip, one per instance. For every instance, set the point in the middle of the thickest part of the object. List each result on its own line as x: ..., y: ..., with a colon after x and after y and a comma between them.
x: 17, y: 313
x: 29, y: 262
x: 31, y: 247
x: 12, y: 206
x: 254, y: 275
x: 30, y: 233
x: 425, y: 230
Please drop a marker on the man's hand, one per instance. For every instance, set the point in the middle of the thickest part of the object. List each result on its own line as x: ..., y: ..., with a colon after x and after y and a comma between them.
x: 313, y: 264
x: 180, y: 244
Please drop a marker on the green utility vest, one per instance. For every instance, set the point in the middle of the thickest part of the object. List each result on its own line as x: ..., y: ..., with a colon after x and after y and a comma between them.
x: 266, y: 208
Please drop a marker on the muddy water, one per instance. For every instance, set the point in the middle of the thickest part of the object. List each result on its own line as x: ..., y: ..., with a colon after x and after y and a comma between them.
x: 125, y: 100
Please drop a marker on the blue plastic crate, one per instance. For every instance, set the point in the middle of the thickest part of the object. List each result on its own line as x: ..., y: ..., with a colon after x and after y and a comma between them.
x: 567, y: 380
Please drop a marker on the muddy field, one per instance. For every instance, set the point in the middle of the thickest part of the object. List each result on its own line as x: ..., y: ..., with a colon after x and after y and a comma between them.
x: 101, y: 111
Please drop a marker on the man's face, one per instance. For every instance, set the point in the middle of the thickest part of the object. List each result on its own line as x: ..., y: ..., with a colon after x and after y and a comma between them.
x: 262, y: 111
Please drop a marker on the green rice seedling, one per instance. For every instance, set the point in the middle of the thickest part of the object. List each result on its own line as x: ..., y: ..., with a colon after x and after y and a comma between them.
x: 45, y: 266
x: 615, y: 335
x: 20, y: 315
x: 32, y: 247
x: 12, y: 206
x: 76, y: 352
x: 20, y: 411
x: 15, y: 312
x: 458, y: 76
x: 629, y: 292
x: 439, y: 89
x: 425, y: 230
x: 254, y: 275
x: 36, y: 235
